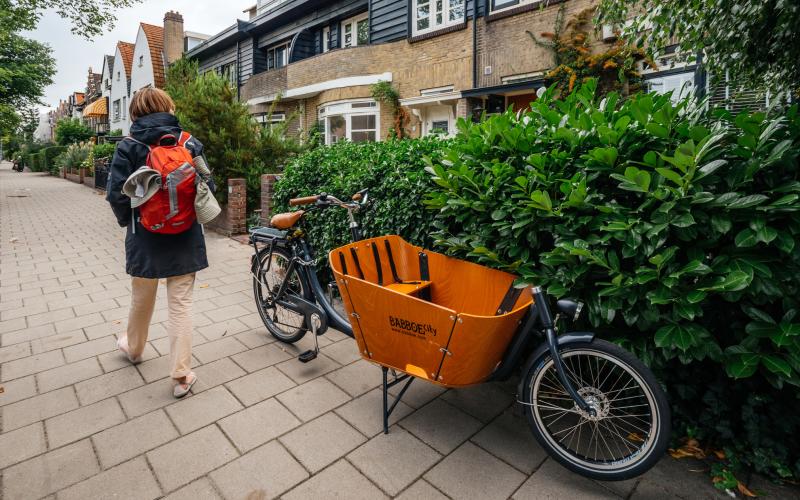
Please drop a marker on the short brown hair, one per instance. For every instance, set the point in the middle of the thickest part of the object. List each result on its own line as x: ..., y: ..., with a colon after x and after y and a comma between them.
x: 150, y: 100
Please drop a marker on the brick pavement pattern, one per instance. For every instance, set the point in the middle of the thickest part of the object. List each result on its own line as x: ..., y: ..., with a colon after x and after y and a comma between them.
x: 78, y: 421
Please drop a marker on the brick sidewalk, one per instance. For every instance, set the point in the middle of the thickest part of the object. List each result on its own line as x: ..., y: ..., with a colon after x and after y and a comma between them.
x: 79, y: 421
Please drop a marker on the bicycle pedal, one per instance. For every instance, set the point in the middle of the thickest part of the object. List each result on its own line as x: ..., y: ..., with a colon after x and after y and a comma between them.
x: 307, y: 356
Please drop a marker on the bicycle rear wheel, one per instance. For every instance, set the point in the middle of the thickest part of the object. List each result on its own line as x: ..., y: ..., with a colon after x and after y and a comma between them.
x: 283, y: 324
x: 630, y: 429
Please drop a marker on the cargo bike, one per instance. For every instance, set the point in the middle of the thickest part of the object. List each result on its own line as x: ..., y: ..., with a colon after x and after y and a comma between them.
x: 417, y: 314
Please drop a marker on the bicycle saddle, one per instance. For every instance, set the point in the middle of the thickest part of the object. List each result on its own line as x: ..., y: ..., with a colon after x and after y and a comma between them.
x: 286, y: 219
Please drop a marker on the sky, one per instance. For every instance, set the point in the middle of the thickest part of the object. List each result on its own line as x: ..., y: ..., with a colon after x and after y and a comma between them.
x: 74, y: 54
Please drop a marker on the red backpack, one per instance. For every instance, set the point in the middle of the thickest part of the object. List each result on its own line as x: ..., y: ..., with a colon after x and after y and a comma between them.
x: 171, y: 209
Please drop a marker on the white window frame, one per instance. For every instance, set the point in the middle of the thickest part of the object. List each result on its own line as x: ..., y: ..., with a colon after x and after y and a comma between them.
x: 326, y: 39
x: 271, y: 119
x: 285, y: 45
x: 141, y: 61
x: 124, y: 108
x: 116, y: 106
x: 353, y: 24
x: 432, y: 25
x: 349, y: 109
x: 512, y: 4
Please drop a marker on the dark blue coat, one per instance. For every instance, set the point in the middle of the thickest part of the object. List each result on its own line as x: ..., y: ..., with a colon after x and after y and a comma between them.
x: 151, y: 255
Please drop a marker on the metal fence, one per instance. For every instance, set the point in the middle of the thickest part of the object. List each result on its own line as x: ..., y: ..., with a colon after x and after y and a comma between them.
x: 101, y: 174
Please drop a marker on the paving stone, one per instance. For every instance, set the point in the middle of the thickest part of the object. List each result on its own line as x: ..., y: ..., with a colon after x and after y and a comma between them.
x: 340, y: 480
x: 67, y: 325
x: 83, y: 422
x: 441, y: 426
x: 303, y: 372
x: 22, y: 312
x: 356, y: 378
x: 157, y: 368
x: 419, y: 393
x: 553, y: 481
x: 147, y: 398
x: 108, y: 385
x: 260, y: 385
x: 15, y: 351
x: 422, y: 490
x: 90, y: 348
x: 365, y: 413
x: 131, y: 480
x: 322, y: 441
x: 21, y: 444
x: 134, y: 437
x: 27, y: 334
x: 58, y: 300
x: 668, y: 479
x: 258, y: 424
x: 115, y: 360
x: 17, y: 390
x: 191, y: 456
x: 221, y: 329
x: 199, y: 410
x: 395, y: 460
x: 12, y: 324
x: 95, y: 307
x: 255, y: 338
x: 105, y: 329
x: 261, y: 357
x: 314, y: 398
x: 32, y: 364
x: 218, y: 349
x: 265, y: 472
x: 509, y: 438
x: 48, y: 473
x: 344, y: 352
x: 216, y: 373
x: 68, y: 374
x: 483, y: 401
x: 57, y: 341
x: 202, y: 489
x: 470, y: 472
x: 37, y: 408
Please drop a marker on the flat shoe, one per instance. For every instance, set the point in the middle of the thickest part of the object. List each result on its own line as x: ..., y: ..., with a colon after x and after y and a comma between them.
x: 183, y: 389
x: 122, y: 345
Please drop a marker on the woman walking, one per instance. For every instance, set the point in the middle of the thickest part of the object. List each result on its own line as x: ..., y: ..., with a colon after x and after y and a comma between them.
x: 149, y: 255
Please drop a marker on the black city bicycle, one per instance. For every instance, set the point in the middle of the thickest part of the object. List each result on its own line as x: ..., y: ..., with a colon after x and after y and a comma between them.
x: 593, y: 406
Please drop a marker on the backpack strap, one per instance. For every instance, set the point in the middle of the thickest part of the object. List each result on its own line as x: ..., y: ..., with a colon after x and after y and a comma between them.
x: 184, y: 139
x: 138, y: 142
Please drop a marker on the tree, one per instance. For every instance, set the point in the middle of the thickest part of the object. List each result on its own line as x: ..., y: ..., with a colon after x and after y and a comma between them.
x: 26, y: 68
x: 71, y: 131
x: 88, y: 17
x: 750, y: 41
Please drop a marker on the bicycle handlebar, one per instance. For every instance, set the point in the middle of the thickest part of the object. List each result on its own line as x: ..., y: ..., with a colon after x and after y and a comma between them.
x: 306, y: 200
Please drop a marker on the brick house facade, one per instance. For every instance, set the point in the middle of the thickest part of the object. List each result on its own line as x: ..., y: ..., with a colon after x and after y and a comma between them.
x: 315, y: 62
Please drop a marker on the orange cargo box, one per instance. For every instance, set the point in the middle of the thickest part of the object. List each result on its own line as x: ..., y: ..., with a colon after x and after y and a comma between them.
x: 425, y: 314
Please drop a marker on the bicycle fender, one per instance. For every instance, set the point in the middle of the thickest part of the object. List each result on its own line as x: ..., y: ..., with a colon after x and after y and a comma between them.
x: 306, y: 308
x: 563, y: 340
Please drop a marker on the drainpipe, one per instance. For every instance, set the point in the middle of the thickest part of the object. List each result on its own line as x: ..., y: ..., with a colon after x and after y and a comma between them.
x: 475, y: 44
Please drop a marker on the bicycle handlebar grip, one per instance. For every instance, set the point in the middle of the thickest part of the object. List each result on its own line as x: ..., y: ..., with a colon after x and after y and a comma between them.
x: 306, y: 200
x: 357, y: 197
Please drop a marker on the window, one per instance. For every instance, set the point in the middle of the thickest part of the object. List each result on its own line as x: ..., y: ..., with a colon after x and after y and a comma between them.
x: 354, y: 121
x: 124, y: 108
x: 504, y: 4
x: 228, y: 71
x: 141, y: 61
x: 681, y: 85
x: 117, y: 75
x: 355, y: 31
x: 326, y: 39
x: 277, y: 56
x: 431, y: 15
x: 116, y: 110
x: 268, y: 120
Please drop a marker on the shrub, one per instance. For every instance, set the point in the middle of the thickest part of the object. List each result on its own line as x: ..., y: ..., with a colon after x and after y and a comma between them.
x: 73, y: 158
x: 105, y: 150
x: 394, y: 173
x: 33, y: 162
x: 50, y: 155
x: 71, y: 131
x: 679, y: 232
x: 117, y: 132
x: 235, y: 145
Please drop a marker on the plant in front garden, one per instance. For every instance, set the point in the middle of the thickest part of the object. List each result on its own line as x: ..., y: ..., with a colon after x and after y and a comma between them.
x: 677, y: 229
x: 72, y: 131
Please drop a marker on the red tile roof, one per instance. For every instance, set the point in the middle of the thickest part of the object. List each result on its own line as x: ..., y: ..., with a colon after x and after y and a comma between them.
x: 126, y: 50
x: 155, y: 39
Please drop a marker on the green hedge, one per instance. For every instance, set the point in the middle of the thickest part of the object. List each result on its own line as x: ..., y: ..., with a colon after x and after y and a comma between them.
x: 677, y: 227
x: 394, y: 173
x: 49, y: 155
x: 678, y: 230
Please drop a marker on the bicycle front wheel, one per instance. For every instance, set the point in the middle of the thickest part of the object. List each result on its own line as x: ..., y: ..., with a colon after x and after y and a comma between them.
x: 630, y: 429
x: 283, y: 324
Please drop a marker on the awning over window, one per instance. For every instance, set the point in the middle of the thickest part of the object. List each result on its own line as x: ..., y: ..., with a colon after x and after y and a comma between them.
x: 97, y: 109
